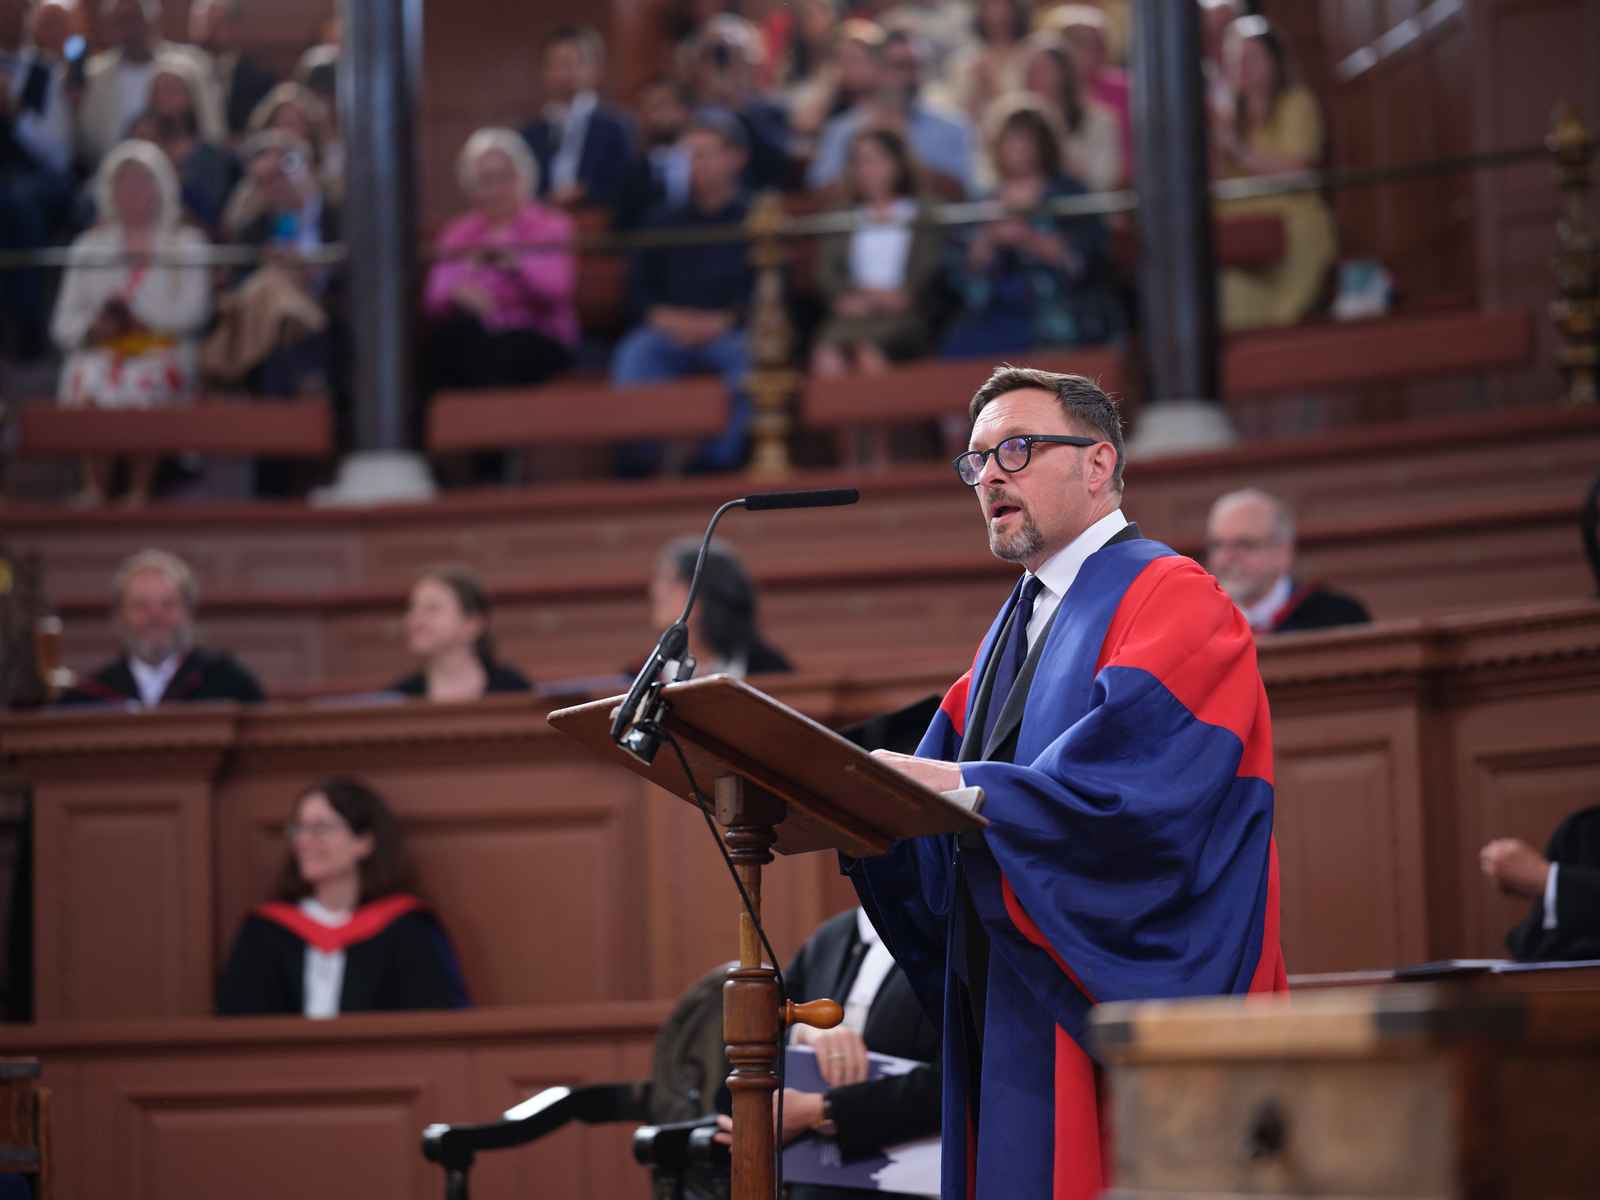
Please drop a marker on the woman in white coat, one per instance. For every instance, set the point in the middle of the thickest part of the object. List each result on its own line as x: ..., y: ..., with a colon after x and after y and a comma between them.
x: 134, y: 299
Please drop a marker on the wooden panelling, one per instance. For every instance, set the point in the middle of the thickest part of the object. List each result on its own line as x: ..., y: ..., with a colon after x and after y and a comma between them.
x: 1400, y: 749
x: 259, y: 1109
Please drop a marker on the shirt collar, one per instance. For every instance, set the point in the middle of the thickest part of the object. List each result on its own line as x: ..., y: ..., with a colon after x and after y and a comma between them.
x: 152, y: 681
x: 1260, y: 613
x: 1058, y: 571
x: 865, y: 930
x: 582, y: 105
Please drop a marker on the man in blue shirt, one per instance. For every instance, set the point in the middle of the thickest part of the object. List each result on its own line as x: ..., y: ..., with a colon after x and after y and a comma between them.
x: 941, y: 142
x: 691, y: 300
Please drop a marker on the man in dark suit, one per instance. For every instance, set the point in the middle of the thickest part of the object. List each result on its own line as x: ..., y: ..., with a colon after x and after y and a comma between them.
x: 239, y: 80
x: 1250, y: 549
x: 584, y: 148
x: 156, y: 597
x: 1563, y: 883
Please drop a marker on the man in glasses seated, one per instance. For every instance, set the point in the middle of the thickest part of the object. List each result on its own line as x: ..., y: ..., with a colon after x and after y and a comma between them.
x: 1250, y: 549
x: 1117, y: 726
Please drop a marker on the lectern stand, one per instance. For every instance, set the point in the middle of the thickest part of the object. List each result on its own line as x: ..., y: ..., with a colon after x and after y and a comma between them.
x: 779, y: 781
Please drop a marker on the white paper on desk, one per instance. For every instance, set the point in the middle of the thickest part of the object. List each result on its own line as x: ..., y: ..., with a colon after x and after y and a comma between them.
x: 969, y: 798
x: 911, y: 1168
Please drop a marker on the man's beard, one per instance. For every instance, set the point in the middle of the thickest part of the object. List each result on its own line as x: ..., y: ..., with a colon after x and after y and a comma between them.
x: 1240, y: 590
x: 155, y: 649
x: 1021, y: 544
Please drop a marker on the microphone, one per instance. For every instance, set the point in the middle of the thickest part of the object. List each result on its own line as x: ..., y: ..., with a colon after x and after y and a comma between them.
x: 639, y: 734
x: 826, y: 498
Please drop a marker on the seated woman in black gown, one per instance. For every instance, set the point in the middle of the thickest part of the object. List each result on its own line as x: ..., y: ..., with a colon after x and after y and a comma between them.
x: 447, y: 628
x: 345, y: 933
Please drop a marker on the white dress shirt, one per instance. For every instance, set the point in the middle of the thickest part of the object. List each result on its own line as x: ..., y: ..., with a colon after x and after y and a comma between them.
x: 324, y: 968
x: 152, y: 681
x: 875, y: 968
x: 1550, y: 896
x: 574, y: 125
x: 1261, y: 613
x: 1058, y: 571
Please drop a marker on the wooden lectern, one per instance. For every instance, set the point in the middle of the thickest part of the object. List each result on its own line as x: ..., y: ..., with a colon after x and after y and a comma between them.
x: 779, y: 781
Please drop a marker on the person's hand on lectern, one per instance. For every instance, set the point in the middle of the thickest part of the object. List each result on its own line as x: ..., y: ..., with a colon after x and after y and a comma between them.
x: 930, y: 772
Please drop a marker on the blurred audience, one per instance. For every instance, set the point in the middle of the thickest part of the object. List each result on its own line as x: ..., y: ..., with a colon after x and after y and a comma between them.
x: 724, y: 61
x: 118, y: 79
x: 583, y: 146
x: 992, y: 65
x: 659, y: 176
x: 1275, y: 127
x: 1087, y: 33
x: 1032, y: 278
x: 36, y: 191
x: 238, y: 79
x: 1250, y: 545
x: 940, y: 142
x: 207, y: 169
x: 1092, y: 143
x: 277, y: 328
x: 133, y: 300
x: 877, y: 280
x: 155, y: 597
x: 1564, y: 885
x: 724, y: 633
x: 847, y: 77
x: 345, y: 932
x: 1215, y: 18
x: 293, y: 108
x: 447, y: 630
x: 501, y: 312
x: 691, y: 301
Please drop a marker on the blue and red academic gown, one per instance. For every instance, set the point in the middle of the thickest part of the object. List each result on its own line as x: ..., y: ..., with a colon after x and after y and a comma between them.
x: 1129, y: 855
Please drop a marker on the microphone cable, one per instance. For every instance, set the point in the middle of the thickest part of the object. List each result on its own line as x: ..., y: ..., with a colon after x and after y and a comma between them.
x: 703, y: 803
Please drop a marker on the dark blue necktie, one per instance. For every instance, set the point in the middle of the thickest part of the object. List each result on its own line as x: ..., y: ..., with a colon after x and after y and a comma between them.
x: 1011, y: 654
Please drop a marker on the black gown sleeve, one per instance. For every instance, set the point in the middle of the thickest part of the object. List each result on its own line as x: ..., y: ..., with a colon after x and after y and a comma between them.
x: 420, y: 970
x: 885, y: 1112
x: 264, y: 972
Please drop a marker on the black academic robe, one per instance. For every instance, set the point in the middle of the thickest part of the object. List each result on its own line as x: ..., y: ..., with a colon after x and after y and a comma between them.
x: 401, y: 960
x: 880, y: 1112
x: 1313, y: 607
x: 501, y: 678
x: 1575, y: 847
x: 203, y: 675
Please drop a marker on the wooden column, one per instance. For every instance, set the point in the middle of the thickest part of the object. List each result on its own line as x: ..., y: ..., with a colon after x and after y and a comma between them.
x: 1177, y: 269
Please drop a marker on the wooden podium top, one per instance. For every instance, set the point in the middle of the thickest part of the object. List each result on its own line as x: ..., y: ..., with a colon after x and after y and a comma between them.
x: 836, y: 796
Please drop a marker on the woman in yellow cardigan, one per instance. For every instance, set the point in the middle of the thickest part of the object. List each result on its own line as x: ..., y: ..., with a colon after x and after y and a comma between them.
x: 1274, y: 127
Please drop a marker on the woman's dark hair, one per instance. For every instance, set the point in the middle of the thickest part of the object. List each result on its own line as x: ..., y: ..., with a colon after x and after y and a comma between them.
x: 1032, y: 120
x: 892, y: 144
x: 725, y: 611
x: 1021, y: 20
x: 1068, y: 101
x: 473, y: 598
x: 1258, y: 29
x: 385, y: 871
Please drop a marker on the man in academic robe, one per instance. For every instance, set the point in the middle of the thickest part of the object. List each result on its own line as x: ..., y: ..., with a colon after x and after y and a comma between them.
x: 1563, y: 924
x: 1117, y: 727
x: 1250, y: 543
x: 156, y: 595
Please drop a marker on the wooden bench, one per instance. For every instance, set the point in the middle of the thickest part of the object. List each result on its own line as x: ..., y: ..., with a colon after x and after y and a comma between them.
x: 576, y: 413
x: 935, y: 388
x: 1305, y: 358
x: 230, y: 427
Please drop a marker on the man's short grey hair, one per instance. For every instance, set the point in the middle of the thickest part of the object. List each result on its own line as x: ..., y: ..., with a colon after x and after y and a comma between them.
x: 1282, y: 515
x: 170, y: 565
x: 1085, y: 404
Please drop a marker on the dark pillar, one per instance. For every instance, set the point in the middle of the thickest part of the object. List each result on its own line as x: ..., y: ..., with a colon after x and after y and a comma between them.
x: 378, y: 76
x: 1177, y: 273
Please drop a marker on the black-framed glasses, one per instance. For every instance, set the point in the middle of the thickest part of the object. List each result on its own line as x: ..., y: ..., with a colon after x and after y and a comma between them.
x: 1013, y: 454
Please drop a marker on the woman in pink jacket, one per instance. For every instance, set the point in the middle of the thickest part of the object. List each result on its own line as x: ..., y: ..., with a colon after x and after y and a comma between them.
x: 500, y: 296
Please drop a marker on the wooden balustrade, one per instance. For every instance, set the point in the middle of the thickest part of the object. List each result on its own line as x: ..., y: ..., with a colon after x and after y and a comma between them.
x: 1401, y: 748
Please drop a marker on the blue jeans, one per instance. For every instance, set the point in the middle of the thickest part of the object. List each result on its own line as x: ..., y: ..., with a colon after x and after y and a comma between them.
x: 649, y: 356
